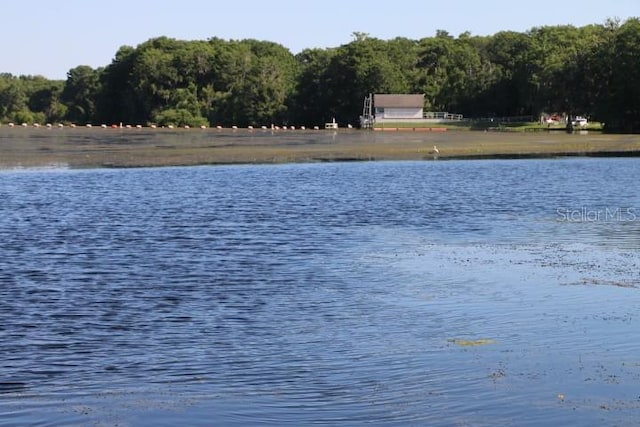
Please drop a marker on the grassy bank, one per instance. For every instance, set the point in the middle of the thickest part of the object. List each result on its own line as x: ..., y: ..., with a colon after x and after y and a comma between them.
x: 89, y: 148
x: 488, y: 125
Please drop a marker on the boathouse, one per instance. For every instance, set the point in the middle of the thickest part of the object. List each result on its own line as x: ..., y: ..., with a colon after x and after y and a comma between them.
x: 398, y: 107
x: 383, y: 108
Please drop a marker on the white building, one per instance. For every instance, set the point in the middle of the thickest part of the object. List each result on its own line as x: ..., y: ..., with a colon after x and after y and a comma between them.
x: 392, y: 107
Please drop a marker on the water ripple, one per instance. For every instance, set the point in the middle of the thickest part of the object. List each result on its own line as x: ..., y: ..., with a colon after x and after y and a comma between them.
x: 334, y: 293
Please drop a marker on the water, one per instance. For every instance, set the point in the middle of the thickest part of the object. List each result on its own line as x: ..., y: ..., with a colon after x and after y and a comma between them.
x: 394, y: 293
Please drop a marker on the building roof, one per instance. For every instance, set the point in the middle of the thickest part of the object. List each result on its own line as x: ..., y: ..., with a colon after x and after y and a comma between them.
x: 398, y: 101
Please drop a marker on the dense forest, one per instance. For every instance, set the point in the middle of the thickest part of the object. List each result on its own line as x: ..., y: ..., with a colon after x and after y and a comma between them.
x: 592, y: 71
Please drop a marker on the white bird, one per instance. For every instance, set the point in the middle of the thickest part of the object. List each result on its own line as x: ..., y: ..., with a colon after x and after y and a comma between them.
x: 435, y: 149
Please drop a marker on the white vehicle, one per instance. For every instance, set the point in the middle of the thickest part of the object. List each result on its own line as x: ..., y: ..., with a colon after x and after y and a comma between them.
x: 580, y: 122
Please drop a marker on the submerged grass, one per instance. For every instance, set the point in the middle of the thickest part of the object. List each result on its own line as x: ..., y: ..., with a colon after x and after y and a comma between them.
x: 90, y: 148
x: 473, y: 343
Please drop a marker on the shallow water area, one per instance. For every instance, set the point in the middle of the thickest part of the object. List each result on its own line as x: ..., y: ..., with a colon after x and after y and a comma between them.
x: 483, y: 293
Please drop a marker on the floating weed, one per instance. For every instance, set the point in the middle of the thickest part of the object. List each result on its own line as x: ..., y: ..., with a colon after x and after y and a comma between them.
x: 599, y: 282
x: 472, y: 343
x: 497, y: 375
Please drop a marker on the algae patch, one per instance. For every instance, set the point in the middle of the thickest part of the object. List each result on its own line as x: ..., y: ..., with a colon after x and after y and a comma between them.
x: 616, y: 283
x: 472, y: 343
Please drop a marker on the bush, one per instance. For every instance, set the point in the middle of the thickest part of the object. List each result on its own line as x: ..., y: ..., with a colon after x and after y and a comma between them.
x: 28, y: 116
x: 178, y: 117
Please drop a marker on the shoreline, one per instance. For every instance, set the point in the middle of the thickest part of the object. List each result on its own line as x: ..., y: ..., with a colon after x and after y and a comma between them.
x: 128, y: 148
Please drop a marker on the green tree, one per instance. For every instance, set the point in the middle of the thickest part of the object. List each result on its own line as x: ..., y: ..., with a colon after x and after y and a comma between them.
x: 621, y: 108
x: 366, y: 65
x: 13, y: 97
x: 80, y: 94
x: 256, y: 80
x: 451, y: 72
x: 313, y: 96
x: 511, y: 93
x: 117, y: 101
x: 591, y: 70
x: 46, y: 98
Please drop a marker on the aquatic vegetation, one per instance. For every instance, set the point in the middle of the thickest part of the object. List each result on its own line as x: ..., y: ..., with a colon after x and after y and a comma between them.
x: 472, y: 343
x: 616, y: 283
x: 91, y: 147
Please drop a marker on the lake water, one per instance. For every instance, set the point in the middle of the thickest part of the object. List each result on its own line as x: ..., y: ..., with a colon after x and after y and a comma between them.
x: 476, y: 293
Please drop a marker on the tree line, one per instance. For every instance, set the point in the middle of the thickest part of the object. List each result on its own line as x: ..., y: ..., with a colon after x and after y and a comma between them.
x: 592, y: 71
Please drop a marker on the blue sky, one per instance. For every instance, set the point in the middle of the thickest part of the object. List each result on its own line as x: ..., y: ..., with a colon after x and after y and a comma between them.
x: 49, y: 38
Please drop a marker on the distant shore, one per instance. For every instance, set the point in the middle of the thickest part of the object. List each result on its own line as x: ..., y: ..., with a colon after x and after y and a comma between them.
x: 103, y: 148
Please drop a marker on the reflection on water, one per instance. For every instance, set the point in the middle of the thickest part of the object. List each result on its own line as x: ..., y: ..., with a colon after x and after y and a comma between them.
x: 333, y: 293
